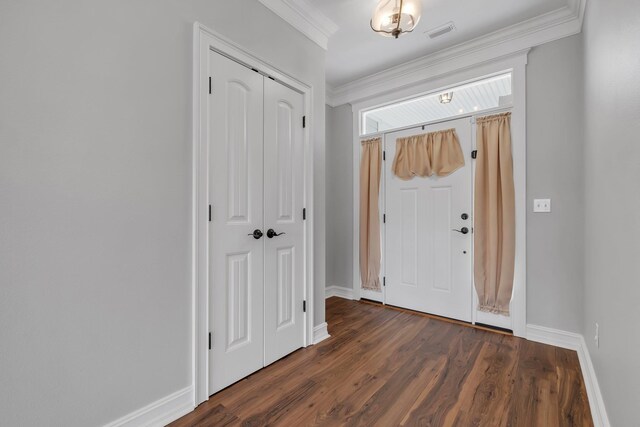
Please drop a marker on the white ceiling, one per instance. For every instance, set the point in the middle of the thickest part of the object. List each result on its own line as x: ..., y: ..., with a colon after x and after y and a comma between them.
x: 356, y: 51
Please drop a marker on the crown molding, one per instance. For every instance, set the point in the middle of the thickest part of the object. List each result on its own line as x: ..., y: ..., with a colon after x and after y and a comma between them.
x: 545, y: 28
x: 305, y: 18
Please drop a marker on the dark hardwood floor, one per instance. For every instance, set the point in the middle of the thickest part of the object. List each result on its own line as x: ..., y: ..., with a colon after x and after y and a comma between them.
x: 388, y: 367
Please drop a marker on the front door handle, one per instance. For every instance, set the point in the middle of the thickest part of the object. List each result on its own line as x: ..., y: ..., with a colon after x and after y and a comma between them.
x: 271, y: 233
x: 256, y: 234
x: 463, y: 230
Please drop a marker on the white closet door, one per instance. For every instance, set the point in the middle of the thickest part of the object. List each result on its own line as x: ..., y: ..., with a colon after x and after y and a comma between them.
x: 283, y: 204
x: 428, y: 264
x: 236, y: 192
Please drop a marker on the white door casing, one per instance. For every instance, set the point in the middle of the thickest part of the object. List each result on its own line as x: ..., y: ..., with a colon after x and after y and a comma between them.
x: 236, y: 258
x: 451, y: 74
x: 205, y: 42
x: 283, y: 205
x: 428, y: 264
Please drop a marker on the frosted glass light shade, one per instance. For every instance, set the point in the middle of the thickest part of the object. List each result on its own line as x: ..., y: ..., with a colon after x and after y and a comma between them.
x: 445, y: 98
x: 391, y: 18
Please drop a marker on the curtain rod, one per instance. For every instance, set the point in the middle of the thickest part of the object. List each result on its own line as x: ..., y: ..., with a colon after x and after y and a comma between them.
x: 435, y: 122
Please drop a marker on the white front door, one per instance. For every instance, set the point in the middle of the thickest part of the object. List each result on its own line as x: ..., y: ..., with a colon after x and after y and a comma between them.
x: 236, y: 258
x: 283, y: 204
x: 428, y: 263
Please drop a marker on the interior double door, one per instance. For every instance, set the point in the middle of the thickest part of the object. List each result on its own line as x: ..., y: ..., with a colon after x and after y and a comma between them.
x: 428, y: 233
x: 256, y: 233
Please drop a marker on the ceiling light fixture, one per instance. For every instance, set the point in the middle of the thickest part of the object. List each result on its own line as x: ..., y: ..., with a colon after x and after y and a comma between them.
x: 446, y: 97
x: 392, y: 18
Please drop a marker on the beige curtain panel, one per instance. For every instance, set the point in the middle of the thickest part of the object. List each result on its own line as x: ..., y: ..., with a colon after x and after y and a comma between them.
x: 427, y: 154
x: 494, y: 222
x: 370, y: 166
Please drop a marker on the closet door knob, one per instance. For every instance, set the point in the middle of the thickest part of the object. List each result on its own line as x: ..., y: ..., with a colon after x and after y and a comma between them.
x: 256, y: 234
x: 463, y: 230
x: 271, y: 233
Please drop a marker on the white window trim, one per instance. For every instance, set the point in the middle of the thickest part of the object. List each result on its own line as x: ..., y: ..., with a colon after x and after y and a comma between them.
x: 516, y: 63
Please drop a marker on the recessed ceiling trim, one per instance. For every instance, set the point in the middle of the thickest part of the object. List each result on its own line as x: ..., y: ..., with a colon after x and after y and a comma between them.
x: 302, y: 16
x: 551, y: 26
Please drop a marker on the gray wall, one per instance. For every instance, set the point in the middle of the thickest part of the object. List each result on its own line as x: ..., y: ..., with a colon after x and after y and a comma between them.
x: 95, y: 196
x: 339, y: 196
x: 555, y: 146
x: 612, y: 195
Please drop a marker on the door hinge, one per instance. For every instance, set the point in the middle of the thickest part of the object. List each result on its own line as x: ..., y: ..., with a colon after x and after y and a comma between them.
x: 384, y: 281
x: 384, y: 218
x: 209, y: 213
x: 304, y: 213
x: 304, y: 121
x: 209, y: 85
x: 474, y: 154
x: 304, y: 306
x: 384, y: 155
x: 209, y: 340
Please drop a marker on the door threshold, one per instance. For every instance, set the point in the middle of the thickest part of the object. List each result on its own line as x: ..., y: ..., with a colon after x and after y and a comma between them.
x: 479, y: 326
x: 495, y: 328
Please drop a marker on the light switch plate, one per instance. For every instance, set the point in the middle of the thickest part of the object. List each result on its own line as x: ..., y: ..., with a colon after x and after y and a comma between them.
x: 542, y: 205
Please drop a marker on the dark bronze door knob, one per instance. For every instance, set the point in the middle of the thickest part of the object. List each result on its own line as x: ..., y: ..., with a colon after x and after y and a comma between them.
x: 463, y: 230
x: 256, y: 234
x: 271, y: 233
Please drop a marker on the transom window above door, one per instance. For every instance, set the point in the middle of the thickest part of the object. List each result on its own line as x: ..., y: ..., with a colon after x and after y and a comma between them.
x: 462, y: 100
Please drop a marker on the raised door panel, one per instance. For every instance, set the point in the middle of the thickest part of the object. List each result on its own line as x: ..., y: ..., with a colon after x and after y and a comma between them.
x: 285, y: 258
x: 408, y: 217
x: 441, y: 229
x: 284, y: 140
x: 238, y: 291
x: 237, y: 99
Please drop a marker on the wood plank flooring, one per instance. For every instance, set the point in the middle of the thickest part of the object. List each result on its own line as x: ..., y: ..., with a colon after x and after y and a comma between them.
x: 387, y: 367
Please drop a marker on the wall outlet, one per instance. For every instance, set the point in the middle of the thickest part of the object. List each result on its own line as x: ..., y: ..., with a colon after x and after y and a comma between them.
x: 597, y: 337
x: 542, y: 205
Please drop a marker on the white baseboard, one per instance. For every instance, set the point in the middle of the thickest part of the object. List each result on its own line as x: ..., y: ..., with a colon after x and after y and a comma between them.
x: 160, y: 412
x: 555, y: 337
x: 593, y: 388
x: 573, y: 341
x: 338, y: 291
x: 320, y: 333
